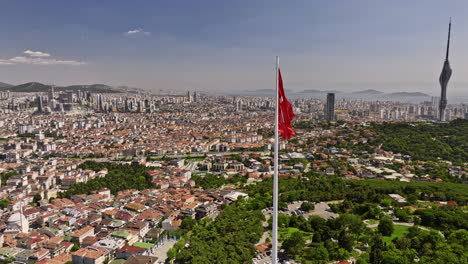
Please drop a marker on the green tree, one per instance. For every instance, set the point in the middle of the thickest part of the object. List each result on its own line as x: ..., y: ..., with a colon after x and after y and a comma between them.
x: 363, y: 259
x: 4, y: 203
x: 188, y: 223
x: 75, y: 247
x: 396, y: 256
x: 346, y: 240
x: 6, y: 175
x: 294, y: 244
x: 230, y: 238
x: 37, y: 197
x: 385, y: 226
x: 306, y: 206
x: 402, y: 215
x: 7, y: 260
x: 283, y: 220
x: 120, y: 177
x: 376, y: 252
x: 353, y: 223
x: 171, y: 253
x: 459, y: 237
x: 318, y: 255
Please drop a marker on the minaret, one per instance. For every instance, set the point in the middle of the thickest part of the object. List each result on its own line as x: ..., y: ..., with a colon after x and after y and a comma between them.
x: 444, y: 79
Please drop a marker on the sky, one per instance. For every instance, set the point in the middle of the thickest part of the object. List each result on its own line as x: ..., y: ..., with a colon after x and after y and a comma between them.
x: 217, y: 45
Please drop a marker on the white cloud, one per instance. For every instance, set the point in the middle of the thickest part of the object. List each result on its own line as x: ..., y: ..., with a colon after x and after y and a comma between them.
x: 38, y: 58
x: 36, y: 53
x: 137, y: 31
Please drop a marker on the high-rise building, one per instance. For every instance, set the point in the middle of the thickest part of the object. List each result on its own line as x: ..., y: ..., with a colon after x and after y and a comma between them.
x: 40, y: 104
x: 51, y: 93
x: 70, y: 97
x: 127, y: 106
x: 239, y: 105
x: 140, y: 107
x: 330, y: 107
x: 5, y: 95
x: 444, y: 79
x: 100, y: 103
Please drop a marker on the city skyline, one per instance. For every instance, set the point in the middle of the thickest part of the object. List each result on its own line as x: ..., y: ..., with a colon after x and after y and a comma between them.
x: 231, y: 46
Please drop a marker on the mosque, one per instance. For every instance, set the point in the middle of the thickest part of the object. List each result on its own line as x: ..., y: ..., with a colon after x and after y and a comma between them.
x: 17, y: 223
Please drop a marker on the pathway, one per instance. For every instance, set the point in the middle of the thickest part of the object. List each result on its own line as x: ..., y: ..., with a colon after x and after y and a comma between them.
x: 161, y: 251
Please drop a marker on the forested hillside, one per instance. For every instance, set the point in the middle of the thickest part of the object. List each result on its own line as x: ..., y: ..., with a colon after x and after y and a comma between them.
x: 448, y: 141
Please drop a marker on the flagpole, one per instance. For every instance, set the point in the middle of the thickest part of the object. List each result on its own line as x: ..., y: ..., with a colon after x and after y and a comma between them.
x: 274, y: 251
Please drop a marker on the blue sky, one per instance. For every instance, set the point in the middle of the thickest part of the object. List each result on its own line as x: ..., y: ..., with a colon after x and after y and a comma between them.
x: 230, y: 45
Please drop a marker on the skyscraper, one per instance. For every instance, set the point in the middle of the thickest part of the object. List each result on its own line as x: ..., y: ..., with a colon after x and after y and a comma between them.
x: 189, y: 97
x: 51, y: 93
x: 330, y: 107
x: 40, y: 104
x: 70, y: 97
x: 444, y: 79
x: 100, y: 103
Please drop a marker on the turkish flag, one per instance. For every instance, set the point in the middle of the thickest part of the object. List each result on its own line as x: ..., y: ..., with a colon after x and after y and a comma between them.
x: 285, y: 112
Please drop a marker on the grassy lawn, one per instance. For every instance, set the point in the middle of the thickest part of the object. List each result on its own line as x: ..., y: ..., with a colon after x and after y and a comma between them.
x: 143, y: 245
x: 372, y: 221
x: 284, y: 233
x: 398, y: 231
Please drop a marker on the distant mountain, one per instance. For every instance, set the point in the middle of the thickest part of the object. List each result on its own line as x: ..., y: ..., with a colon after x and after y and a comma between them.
x: 5, y: 85
x: 131, y: 89
x: 410, y: 94
x: 263, y: 91
x: 318, y: 91
x: 368, y: 91
x: 94, y: 88
x: 35, y: 87
x: 366, y: 95
x: 30, y: 87
x: 311, y: 91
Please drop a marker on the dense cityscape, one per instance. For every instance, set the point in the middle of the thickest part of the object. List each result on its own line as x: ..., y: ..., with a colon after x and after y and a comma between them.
x: 100, y: 177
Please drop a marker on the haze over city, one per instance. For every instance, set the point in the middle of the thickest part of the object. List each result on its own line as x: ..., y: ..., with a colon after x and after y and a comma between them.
x: 230, y: 46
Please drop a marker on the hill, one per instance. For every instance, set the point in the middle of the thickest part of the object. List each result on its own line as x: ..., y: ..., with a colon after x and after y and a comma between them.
x: 95, y: 88
x: 311, y: 91
x: 369, y: 91
x: 5, y: 85
x: 319, y: 91
x: 30, y: 87
x: 412, y: 94
x: 36, y: 87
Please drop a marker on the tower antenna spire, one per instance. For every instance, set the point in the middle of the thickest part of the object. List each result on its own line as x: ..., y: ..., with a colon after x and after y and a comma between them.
x: 448, y: 39
x: 444, y: 79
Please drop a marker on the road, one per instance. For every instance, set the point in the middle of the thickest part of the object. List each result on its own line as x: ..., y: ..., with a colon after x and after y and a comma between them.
x: 178, y: 156
x: 161, y: 251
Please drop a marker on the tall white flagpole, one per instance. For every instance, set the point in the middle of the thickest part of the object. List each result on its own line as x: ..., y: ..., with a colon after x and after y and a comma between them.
x: 274, y: 252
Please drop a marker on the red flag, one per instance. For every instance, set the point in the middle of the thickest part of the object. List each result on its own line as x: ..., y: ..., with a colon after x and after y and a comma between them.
x: 285, y: 112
